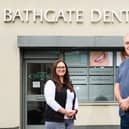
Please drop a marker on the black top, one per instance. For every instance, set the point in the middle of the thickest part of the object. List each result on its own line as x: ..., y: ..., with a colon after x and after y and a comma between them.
x: 50, y: 114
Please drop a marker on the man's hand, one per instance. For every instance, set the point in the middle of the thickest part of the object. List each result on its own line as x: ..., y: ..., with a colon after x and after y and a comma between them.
x: 124, y: 104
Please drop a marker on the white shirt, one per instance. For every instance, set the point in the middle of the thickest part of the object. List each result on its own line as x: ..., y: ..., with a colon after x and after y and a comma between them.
x: 49, y: 92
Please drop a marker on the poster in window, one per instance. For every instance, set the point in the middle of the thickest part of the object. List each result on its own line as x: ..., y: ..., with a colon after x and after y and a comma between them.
x: 101, y: 58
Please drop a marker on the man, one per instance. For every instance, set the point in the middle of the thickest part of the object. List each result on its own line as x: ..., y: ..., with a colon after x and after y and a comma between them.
x: 121, y: 88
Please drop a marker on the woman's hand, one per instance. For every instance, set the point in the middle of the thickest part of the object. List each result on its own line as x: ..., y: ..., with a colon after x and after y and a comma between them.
x: 70, y: 113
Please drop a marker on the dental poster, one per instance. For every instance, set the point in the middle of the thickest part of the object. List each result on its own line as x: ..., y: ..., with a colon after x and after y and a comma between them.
x: 101, y: 58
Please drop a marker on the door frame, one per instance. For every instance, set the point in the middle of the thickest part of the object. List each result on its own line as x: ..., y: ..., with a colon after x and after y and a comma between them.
x: 24, y: 92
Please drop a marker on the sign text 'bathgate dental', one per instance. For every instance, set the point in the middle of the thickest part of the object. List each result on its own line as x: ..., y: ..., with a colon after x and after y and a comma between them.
x: 68, y: 16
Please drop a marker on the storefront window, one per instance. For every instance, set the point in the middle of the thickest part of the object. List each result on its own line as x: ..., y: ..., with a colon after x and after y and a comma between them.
x: 92, y: 74
x: 37, y: 75
x: 76, y: 58
x: 35, y: 112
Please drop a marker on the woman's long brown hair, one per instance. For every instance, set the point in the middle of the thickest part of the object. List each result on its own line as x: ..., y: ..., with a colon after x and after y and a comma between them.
x: 56, y: 79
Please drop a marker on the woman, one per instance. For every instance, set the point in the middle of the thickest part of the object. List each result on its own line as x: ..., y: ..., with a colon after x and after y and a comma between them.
x: 62, y: 104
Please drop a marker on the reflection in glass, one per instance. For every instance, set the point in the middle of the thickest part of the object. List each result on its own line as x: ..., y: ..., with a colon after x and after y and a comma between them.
x: 76, y: 58
x: 35, y: 112
x: 101, y: 79
x: 37, y: 74
x: 101, y: 92
x: 78, y: 71
x: 101, y: 71
x: 79, y: 79
x: 82, y: 92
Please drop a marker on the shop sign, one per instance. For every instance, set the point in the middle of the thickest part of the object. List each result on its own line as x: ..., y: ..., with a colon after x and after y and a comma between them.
x: 67, y: 16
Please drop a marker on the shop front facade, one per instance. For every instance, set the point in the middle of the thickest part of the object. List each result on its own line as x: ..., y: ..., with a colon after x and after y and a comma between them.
x: 92, y: 71
x: 89, y: 37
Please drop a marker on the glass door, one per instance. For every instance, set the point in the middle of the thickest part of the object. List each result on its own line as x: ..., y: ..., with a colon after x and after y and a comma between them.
x: 36, y: 74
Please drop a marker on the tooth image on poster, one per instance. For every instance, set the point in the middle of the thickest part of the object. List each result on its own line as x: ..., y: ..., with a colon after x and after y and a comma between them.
x: 101, y: 58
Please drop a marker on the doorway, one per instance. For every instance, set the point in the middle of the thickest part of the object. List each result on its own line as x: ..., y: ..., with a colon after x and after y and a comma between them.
x: 37, y: 66
x: 37, y: 73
